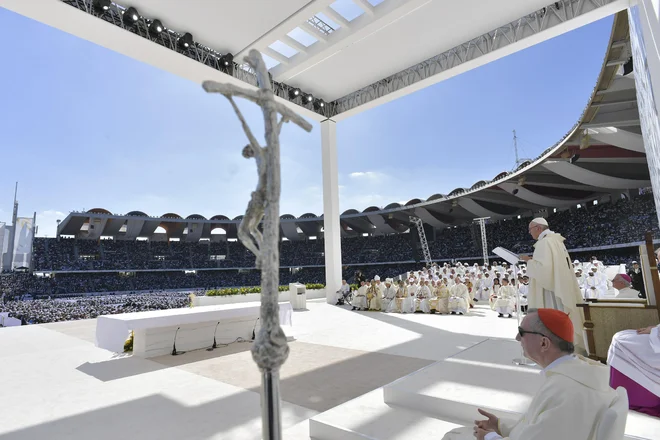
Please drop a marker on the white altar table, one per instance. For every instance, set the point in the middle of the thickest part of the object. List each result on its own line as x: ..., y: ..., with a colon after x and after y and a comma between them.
x: 154, y: 331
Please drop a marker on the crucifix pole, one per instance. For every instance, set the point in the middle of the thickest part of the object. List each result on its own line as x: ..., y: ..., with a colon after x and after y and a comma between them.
x: 270, y: 349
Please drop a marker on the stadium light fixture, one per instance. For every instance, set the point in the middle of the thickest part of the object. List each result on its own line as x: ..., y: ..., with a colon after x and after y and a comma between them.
x: 319, y: 104
x: 294, y: 93
x: 102, y: 5
x: 156, y: 27
x: 130, y: 16
x: 226, y: 60
x: 308, y: 98
x: 185, y: 41
x: 227, y: 63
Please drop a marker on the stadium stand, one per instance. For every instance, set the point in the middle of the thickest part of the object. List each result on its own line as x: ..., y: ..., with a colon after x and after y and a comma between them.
x: 82, y: 266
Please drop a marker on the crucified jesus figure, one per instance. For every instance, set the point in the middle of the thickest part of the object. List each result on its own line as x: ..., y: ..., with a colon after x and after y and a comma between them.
x: 248, y: 229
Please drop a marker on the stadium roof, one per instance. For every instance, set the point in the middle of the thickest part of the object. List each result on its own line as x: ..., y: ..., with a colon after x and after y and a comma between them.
x: 602, y: 155
x: 353, y: 54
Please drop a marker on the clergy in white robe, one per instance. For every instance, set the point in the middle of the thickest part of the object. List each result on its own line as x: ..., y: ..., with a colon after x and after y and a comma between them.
x: 594, y: 287
x: 574, y: 393
x: 479, y: 287
x: 360, y: 299
x: 621, y: 282
x: 459, y: 298
x: 486, y: 287
x: 440, y: 302
x: 493, y: 293
x: 374, y: 297
x: 506, y: 299
x: 634, y: 359
x: 401, y: 298
x: 388, y: 296
x: 422, y: 297
x: 552, y: 281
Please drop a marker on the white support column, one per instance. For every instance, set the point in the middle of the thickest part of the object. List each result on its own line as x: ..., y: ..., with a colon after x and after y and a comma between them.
x: 331, y: 227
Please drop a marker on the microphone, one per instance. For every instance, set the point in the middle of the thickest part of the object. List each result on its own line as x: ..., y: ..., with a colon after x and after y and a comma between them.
x: 174, y: 352
x: 214, y: 344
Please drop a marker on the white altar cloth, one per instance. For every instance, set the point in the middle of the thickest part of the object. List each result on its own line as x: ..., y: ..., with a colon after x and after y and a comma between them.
x: 113, y: 330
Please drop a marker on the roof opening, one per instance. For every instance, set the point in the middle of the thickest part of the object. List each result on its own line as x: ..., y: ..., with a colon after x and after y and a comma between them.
x: 270, y: 62
x: 302, y: 37
x: 347, y: 9
x: 324, y: 23
x: 282, y: 48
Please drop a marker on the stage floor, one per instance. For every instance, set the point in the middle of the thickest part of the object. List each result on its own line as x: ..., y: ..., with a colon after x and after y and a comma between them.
x: 56, y: 384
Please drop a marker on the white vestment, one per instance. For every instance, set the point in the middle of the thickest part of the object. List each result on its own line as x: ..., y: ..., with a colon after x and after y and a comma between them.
x: 627, y: 293
x: 422, y: 299
x: 459, y: 298
x: 552, y: 282
x: 567, y: 406
x: 360, y: 298
x: 638, y: 357
x: 506, y: 300
x: 388, y: 299
x: 594, y: 288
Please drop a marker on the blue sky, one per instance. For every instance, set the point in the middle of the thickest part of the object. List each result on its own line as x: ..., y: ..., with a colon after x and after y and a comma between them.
x: 84, y: 127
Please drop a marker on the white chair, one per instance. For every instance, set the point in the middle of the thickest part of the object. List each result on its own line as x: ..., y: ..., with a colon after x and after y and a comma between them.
x: 612, y: 423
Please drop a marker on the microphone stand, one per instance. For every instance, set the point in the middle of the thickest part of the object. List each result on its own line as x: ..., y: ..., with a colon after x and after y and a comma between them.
x: 214, y: 346
x: 174, y: 351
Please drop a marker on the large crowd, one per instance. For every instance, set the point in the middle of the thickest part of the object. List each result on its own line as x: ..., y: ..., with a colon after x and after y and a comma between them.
x: 623, y: 221
x: 54, y: 310
x: 145, y: 267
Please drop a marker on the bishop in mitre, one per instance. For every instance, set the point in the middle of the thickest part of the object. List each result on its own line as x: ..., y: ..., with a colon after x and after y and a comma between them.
x: 552, y: 280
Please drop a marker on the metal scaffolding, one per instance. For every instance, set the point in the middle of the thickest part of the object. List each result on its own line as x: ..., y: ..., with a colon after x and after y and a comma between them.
x: 484, y: 241
x: 422, y: 238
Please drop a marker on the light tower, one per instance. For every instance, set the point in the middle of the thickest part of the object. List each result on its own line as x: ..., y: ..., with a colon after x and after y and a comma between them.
x: 484, y: 243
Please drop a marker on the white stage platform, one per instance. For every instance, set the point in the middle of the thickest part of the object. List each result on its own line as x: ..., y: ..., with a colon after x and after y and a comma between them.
x: 445, y: 395
x: 155, y: 331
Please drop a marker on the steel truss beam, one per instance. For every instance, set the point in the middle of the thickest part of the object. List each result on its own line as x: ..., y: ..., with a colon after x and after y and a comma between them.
x: 523, y: 28
x: 202, y: 54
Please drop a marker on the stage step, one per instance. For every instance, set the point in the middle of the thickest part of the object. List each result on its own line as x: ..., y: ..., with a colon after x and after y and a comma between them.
x: 369, y: 418
x: 482, y: 376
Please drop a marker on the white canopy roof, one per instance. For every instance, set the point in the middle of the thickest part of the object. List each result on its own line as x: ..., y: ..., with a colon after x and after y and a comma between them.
x: 354, y: 54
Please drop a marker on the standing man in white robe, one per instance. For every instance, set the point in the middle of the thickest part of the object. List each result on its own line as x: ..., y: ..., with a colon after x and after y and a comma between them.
x: 506, y: 299
x: 572, y: 397
x: 552, y: 280
x: 486, y: 286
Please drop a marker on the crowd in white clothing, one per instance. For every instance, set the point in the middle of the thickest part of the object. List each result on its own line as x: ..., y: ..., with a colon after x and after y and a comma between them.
x: 454, y: 289
x: 595, y: 284
x: 447, y: 289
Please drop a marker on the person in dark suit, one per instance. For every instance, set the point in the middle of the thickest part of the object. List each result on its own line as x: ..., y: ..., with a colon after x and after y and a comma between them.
x: 635, y: 274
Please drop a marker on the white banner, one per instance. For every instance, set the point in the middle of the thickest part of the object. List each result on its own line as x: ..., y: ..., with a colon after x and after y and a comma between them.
x: 23, y: 242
